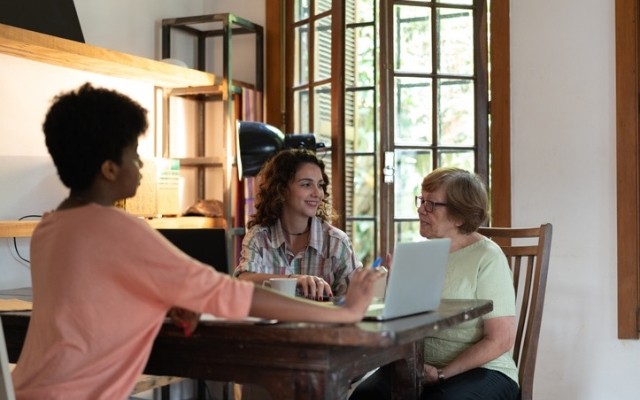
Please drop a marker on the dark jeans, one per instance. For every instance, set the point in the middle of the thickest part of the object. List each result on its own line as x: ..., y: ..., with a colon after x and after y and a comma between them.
x: 476, y: 384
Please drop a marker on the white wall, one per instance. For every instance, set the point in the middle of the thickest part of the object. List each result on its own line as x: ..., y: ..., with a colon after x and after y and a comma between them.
x: 563, y: 152
x: 27, y: 176
x: 122, y: 25
x: 564, y: 172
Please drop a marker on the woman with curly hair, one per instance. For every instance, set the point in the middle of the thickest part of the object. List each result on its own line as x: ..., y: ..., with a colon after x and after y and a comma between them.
x: 290, y: 233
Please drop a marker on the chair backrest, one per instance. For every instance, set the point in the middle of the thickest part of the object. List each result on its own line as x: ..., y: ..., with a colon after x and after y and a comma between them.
x: 6, y: 385
x: 527, y: 250
x: 207, y: 245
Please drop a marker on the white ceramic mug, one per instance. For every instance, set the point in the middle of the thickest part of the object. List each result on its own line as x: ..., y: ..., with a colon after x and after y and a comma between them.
x: 284, y: 285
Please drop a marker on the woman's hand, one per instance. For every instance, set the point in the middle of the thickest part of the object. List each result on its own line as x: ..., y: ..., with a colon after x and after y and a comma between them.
x: 430, y: 374
x: 313, y: 287
x: 185, y: 319
x: 360, y: 290
x: 389, y: 260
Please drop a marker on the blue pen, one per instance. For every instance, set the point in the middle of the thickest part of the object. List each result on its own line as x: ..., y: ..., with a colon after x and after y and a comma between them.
x: 376, y: 263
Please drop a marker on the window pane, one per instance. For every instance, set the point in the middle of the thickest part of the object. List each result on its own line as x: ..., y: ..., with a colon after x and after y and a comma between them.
x: 412, y: 43
x: 364, y: 11
x: 301, y: 58
x: 408, y: 231
x: 455, y: 113
x: 455, y: 41
x: 362, y: 235
x: 414, y: 115
x: 325, y: 156
x: 464, y: 159
x: 365, y: 56
x: 350, y: 120
x: 301, y: 9
x: 350, y: 63
x: 364, y: 193
x: 364, y: 134
x: 322, y: 114
x: 460, y: 2
x: 301, y: 111
x: 322, y: 49
x: 322, y: 6
x: 411, y: 167
x: 348, y: 185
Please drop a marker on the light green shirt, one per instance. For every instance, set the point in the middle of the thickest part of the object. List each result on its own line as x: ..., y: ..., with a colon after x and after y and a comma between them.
x: 478, y: 271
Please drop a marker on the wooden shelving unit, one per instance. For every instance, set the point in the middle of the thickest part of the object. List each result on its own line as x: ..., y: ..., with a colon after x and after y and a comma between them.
x: 201, y: 28
x: 67, y: 53
x: 80, y: 56
x: 9, y: 229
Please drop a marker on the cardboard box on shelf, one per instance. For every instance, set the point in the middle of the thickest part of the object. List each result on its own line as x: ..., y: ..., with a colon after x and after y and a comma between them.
x: 158, y: 193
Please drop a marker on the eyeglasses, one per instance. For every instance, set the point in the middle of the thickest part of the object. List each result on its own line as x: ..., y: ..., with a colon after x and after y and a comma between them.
x: 429, y: 205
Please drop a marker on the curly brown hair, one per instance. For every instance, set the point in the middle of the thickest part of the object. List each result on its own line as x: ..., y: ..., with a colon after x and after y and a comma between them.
x: 274, y: 178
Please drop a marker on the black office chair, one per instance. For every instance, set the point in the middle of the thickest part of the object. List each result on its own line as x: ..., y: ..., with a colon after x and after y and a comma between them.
x: 207, y: 245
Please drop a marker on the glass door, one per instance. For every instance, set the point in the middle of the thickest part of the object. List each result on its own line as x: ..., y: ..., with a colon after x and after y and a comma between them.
x: 394, y: 89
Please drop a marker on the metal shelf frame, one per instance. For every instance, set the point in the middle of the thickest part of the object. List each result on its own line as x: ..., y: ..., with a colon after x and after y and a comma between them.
x: 203, y: 27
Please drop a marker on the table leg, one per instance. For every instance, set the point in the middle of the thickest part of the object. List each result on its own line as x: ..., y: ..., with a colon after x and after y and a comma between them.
x: 308, y: 386
x: 406, y: 374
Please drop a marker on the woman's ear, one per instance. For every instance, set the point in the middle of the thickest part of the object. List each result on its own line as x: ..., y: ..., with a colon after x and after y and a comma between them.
x: 109, y: 170
x: 458, y: 222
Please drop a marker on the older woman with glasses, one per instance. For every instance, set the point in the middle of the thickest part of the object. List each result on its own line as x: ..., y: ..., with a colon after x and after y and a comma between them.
x: 472, y: 360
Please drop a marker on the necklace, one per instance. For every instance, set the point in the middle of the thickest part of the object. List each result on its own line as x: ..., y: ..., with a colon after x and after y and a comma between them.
x: 296, y: 234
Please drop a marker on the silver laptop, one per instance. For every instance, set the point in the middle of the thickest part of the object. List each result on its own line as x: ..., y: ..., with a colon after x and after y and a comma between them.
x: 415, y: 282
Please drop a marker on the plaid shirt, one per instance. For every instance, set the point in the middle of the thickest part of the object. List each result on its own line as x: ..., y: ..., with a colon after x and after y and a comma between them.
x: 328, y: 255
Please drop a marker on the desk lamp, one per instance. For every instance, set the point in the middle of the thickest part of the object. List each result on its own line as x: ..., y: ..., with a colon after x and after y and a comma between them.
x: 258, y: 141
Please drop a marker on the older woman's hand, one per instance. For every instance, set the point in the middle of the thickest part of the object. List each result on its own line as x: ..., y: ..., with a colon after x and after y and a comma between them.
x: 430, y: 374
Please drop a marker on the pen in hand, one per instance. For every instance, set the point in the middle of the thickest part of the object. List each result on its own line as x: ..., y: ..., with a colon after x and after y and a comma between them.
x: 339, y: 300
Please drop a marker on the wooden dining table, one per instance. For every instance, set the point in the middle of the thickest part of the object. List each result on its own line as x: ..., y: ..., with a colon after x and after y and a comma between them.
x: 293, y: 360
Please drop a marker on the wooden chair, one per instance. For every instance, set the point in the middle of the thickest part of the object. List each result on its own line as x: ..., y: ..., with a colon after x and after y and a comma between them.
x: 527, y: 250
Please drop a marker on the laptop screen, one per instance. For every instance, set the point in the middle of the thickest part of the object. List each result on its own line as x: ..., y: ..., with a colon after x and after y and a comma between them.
x: 416, y: 279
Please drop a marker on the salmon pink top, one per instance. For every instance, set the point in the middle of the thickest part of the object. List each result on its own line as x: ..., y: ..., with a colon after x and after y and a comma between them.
x: 103, y: 282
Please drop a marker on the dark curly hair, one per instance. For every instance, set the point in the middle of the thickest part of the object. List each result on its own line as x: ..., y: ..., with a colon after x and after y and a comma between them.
x: 466, y: 195
x: 88, y: 126
x: 275, y: 177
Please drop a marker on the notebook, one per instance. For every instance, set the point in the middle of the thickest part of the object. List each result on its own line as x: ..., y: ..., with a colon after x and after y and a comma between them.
x: 416, y: 279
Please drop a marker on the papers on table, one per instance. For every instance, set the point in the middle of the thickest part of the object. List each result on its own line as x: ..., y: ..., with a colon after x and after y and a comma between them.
x: 247, y: 320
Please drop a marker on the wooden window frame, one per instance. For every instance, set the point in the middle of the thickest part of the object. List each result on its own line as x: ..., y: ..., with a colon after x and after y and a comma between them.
x: 500, y: 108
x: 628, y: 166
x: 627, y: 135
